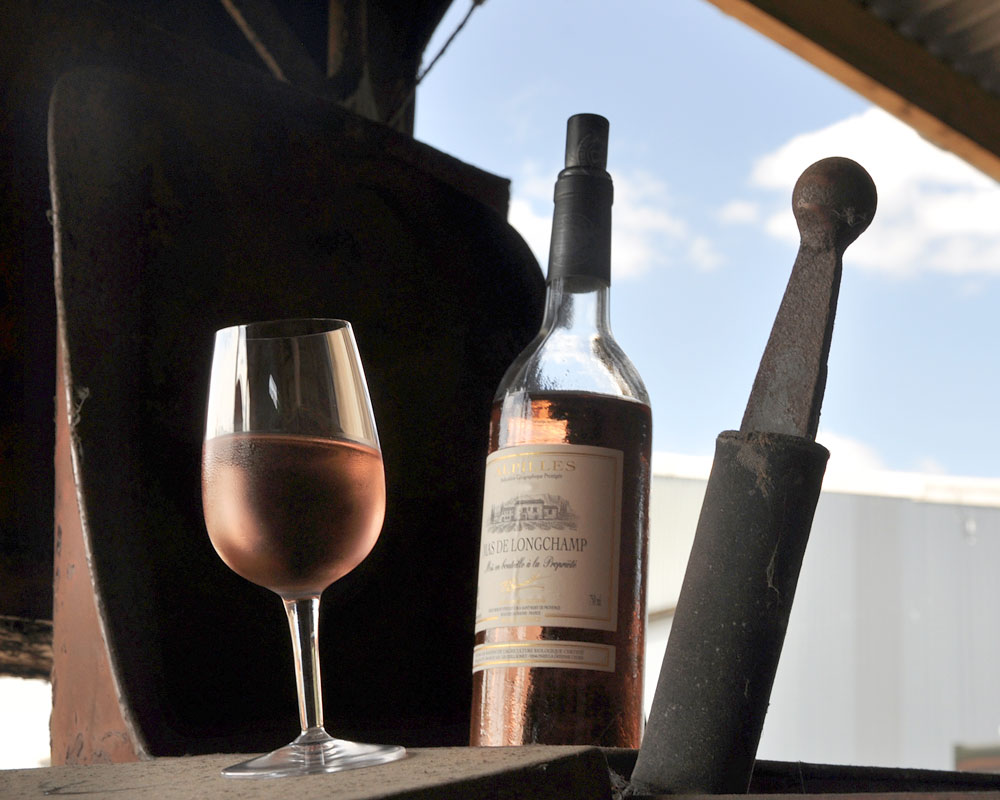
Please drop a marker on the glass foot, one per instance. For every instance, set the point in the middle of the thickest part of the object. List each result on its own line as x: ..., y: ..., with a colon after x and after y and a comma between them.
x: 311, y: 754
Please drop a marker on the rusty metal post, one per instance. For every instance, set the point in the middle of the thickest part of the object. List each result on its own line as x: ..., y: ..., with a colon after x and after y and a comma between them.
x: 729, y: 627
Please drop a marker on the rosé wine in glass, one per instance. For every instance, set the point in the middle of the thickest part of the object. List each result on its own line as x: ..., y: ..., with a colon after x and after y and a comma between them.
x: 293, y: 491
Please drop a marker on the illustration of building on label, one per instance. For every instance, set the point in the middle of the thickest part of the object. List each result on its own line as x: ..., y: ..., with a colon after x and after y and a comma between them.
x: 544, y: 511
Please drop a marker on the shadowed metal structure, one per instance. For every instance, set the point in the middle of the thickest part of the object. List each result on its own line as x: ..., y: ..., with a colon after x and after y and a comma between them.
x: 933, y: 63
x: 179, y: 210
x: 314, y: 92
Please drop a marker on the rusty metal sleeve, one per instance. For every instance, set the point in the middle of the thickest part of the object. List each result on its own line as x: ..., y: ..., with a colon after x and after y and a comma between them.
x: 726, y: 638
x: 725, y: 642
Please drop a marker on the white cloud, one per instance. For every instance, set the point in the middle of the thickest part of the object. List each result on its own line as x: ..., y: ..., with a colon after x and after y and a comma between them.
x: 931, y: 466
x: 849, y: 456
x: 533, y: 227
x: 857, y: 468
x: 853, y: 461
x: 646, y: 236
x: 702, y: 253
x: 935, y: 212
x: 739, y: 211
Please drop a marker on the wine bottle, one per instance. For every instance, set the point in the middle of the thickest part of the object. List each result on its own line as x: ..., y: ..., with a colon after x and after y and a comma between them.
x: 560, y: 612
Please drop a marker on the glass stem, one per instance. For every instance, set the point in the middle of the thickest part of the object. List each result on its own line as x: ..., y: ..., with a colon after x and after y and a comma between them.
x: 303, y: 621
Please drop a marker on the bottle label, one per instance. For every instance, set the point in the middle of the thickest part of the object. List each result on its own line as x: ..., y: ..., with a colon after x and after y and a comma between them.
x: 566, y: 655
x: 551, y: 536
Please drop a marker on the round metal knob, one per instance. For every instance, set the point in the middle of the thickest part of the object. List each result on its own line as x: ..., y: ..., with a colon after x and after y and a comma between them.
x: 834, y: 197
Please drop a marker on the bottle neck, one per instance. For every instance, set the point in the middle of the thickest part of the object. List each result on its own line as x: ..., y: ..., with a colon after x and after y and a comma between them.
x: 577, y: 305
x: 581, y: 225
x: 580, y: 253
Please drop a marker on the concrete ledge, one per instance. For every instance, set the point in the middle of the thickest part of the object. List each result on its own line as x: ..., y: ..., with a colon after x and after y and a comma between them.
x: 446, y: 773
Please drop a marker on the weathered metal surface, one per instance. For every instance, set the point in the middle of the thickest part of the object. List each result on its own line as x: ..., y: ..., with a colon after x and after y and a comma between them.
x: 281, y: 51
x: 445, y: 773
x: 725, y: 640
x: 805, y: 778
x: 798, y: 777
x: 834, y: 202
x: 495, y: 773
x: 180, y: 209
x: 729, y: 627
x: 38, y: 43
x: 87, y: 724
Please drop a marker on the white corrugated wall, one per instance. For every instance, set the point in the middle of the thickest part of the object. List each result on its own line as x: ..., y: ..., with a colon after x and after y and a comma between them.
x: 892, y: 655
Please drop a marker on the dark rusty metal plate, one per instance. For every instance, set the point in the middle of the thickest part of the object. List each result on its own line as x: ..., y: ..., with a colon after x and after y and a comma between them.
x: 183, y: 207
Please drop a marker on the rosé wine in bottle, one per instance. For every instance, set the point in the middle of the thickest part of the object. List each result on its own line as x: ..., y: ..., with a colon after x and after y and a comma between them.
x: 561, y: 603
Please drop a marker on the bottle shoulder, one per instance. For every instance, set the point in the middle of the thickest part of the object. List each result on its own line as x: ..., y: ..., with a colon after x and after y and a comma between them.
x: 558, y: 360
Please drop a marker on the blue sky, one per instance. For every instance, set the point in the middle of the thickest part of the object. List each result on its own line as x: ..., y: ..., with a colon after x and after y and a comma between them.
x: 711, y: 123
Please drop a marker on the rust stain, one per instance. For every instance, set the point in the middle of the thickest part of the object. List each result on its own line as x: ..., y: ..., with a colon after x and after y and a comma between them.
x: 87, y: 726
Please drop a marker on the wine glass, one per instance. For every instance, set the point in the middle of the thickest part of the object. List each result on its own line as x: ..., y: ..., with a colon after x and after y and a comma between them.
x: 293, y: 491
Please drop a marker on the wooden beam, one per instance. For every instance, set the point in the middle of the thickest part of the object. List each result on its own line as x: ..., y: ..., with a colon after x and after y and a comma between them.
x: 869, y: 56
x: 25, y: 647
